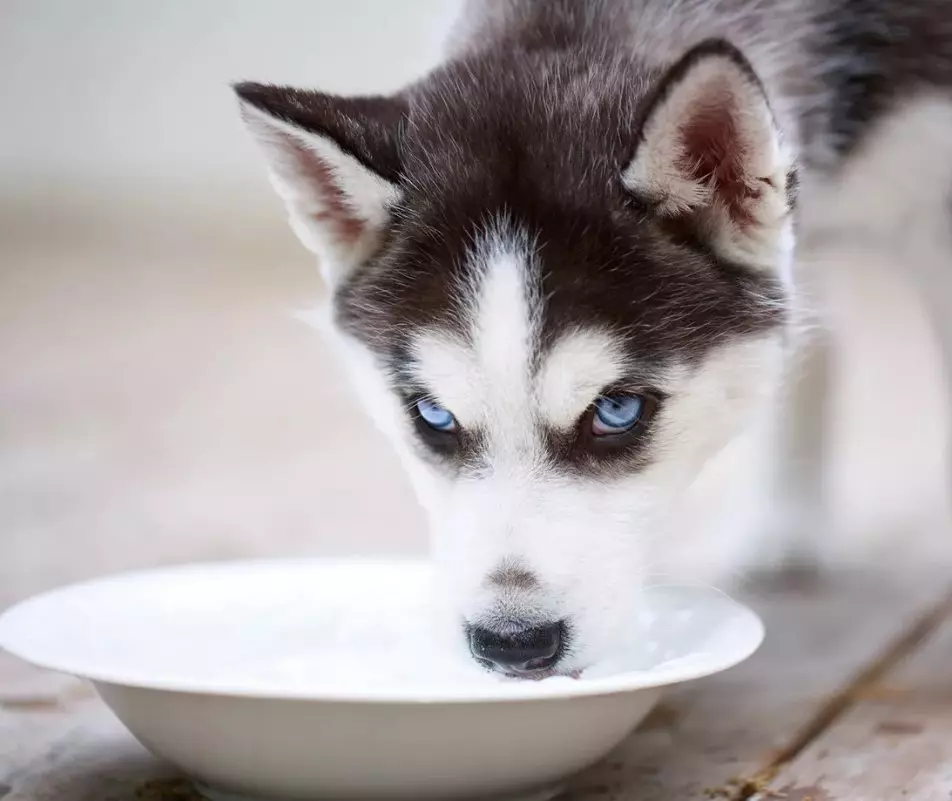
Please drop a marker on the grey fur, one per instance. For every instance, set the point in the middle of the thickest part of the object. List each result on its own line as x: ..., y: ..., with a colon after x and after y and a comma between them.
x: 831, y: 67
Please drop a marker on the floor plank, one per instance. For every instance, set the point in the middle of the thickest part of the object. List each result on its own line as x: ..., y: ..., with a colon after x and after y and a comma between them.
x: 85, y: 756
x: 895, y: 743
x: 713, y: 739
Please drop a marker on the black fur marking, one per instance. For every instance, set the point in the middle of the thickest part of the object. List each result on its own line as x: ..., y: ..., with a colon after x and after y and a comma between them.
x: 888, y: 50
x: 478, y: 148
x: 367, y: 128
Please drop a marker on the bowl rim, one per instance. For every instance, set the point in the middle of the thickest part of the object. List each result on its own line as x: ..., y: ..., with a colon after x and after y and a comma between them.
x: 505, y: 692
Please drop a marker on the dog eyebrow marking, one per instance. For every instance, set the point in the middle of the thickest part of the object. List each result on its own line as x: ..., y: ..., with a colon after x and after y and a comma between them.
x: 504, y: 320
x: 579, y: 365
x: 443, y: 365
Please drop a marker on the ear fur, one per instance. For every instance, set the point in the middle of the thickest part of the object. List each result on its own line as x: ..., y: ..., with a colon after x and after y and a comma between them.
x: 334, y: 162
x: 710, y: 151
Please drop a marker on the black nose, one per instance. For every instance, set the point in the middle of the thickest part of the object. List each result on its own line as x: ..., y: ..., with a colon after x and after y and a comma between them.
x: 526, y: 650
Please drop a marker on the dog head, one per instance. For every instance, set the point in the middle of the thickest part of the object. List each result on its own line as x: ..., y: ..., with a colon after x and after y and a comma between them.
x: 560, y: 287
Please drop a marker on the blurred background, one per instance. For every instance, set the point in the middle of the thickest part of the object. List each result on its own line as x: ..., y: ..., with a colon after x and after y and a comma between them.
x: 158, y: 401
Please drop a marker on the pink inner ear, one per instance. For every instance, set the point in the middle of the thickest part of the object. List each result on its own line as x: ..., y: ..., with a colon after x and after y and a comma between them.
x: 333, y: 208
x: 715, y: 154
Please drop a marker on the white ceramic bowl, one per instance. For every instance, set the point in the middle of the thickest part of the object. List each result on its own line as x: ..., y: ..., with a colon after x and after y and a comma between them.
x: 227, y: 671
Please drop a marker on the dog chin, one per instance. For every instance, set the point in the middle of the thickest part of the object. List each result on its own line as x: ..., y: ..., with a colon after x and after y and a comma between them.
x: 553, y: 673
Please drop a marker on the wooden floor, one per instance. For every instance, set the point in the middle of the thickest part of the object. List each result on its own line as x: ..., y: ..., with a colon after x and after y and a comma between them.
x: 849, y: 698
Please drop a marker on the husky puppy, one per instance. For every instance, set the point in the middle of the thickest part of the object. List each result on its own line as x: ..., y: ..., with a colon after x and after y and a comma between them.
x: 561, y: 269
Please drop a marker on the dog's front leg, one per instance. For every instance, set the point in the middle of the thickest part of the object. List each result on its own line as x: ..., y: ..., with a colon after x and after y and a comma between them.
x: 792, y: 514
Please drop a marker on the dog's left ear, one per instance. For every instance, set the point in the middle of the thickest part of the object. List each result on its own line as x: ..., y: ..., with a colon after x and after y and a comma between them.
x: 710, y: 150
x: 335, y: 163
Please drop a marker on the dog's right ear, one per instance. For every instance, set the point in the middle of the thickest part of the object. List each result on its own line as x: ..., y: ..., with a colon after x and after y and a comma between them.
x: 335, y: 163
x: 711, y: 151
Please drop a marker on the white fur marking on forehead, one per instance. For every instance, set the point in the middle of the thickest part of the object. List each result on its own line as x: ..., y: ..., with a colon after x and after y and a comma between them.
x: 484, y: 376
x: 505, y: 331
x: 504, y: 328
x: 577, y: 368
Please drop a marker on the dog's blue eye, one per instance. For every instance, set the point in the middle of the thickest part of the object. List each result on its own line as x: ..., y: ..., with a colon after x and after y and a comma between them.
x: 616, y: 414
x: 435, y: 416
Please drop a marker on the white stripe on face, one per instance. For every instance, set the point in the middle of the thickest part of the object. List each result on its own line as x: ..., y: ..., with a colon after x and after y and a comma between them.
x: 505, y: 335
x: 485, y: 376
x: 444, y: 365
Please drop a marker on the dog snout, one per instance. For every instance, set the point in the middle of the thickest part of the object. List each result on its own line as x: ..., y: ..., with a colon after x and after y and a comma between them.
x: 522, y: 651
